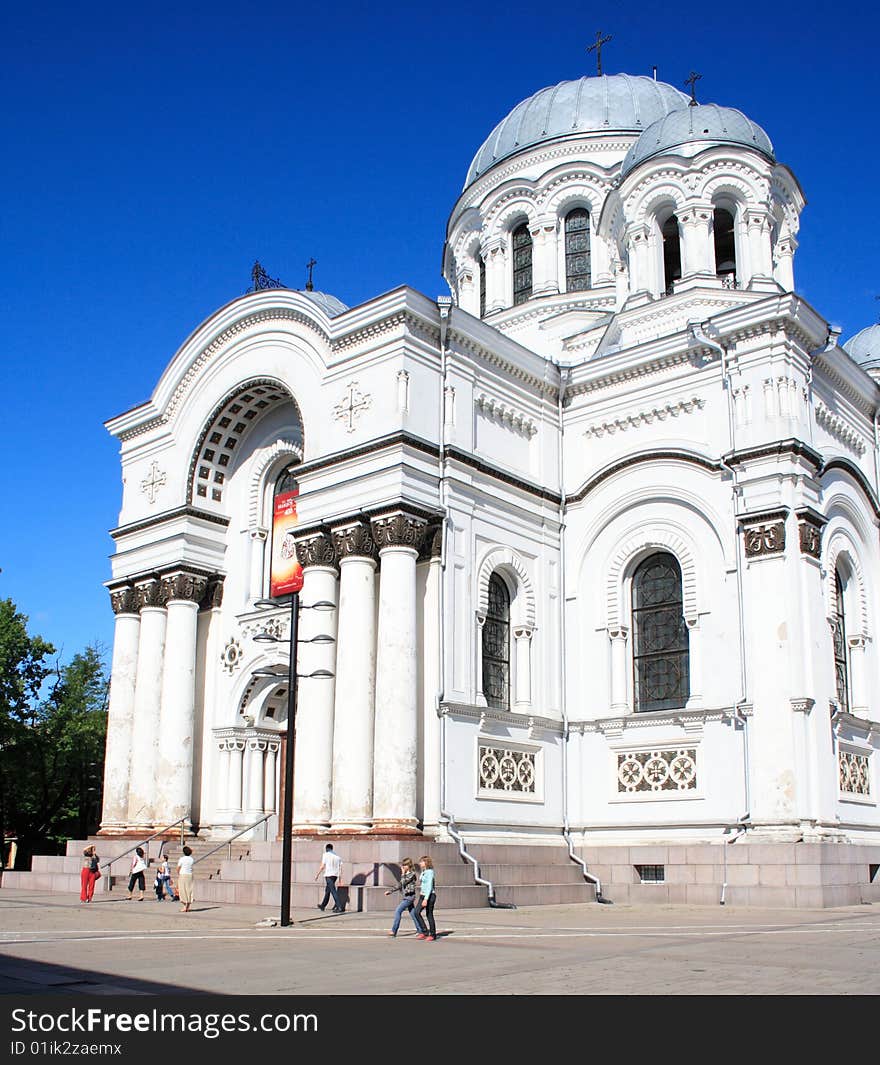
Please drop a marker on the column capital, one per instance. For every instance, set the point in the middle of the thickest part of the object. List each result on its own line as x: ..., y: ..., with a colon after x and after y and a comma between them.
x: 523, y: 632
x: 213, y: 597
x: 315, y: 548
x: 150, y: 593
x: 184, y: 586
x: 764, y: 534
x: 354, y: 540
x: 124, y: 599
x: 432, y: 543
x: 398, y: 528
x: 617, y: 632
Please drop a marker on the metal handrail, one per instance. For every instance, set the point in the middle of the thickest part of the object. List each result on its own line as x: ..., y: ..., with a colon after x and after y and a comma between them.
x: 456, y: 835
x: 161, y: 832
x: 228, y: 842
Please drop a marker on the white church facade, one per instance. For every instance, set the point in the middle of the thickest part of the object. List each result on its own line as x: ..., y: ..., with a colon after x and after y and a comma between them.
x: 600, y: 530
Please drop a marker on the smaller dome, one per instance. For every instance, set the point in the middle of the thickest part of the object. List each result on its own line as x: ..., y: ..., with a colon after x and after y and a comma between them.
x: 330, y: 305
x: 693, y: 124
x: 864, y: 348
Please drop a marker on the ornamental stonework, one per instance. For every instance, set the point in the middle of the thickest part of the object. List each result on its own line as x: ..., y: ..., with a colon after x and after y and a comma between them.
x: 316, y: 549
x: 673, y: 769
x: 507, y: 771
x: 398, y: 530
x: 231, y: 655
x: 354, y: 541
x: 151, y: 593
x: 189, y: 587
x: 810, y: 539
x: 124, y: 600
x: 432, y: 543
x: 854, y: 771
x: 213, y: 598
x: 767, y: 538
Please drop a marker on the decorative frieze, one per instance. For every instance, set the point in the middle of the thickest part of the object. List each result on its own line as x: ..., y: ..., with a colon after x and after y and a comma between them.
x: 354, y: 541
x: 506, y: 771
x: 398, y: 530
x: 764, y: 534
x: 666, y: 770
x: 838, y: 428
x: 494, y: 410
x: 315, y: 549
x: 854, y: 773
x: 124, y: 600
x: 646, y: 417
x: 810, y: 525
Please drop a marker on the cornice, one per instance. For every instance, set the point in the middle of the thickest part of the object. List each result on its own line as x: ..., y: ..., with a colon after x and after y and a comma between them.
x: 778, y: 448
x: 862, y: 403
x: 637, y: 459
x: 169, y: 515
x: 470, y: 712
x: 466, y: 459
x: 689, y: 720
x: 398, y: 439
x: 848, y: 466
x: 838, y: 428
x: 646, y: 417
x: 470, y: 345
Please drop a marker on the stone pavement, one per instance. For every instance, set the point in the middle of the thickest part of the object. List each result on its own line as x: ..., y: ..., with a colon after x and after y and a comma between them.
x: 52, y: 943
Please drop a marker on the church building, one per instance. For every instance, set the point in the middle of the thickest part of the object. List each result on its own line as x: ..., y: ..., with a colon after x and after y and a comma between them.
x: 596, y: 535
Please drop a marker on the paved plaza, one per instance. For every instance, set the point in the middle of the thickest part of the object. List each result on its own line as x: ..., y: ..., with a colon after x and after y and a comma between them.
x: 54, y: 944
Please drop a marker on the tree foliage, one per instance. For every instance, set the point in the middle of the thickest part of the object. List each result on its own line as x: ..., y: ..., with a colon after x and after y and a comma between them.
x: 53, y: 723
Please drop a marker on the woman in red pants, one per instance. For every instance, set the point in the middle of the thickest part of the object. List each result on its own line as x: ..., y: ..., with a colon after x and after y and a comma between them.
x: 88, y: 874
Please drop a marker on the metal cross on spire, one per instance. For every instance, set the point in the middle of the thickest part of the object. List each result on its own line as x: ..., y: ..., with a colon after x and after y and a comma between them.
x: 692, y: 81
x: 310, y: 265
x: 597, y: 48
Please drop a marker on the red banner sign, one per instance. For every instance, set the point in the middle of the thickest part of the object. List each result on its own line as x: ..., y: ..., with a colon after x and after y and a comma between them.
x: 287, y: 575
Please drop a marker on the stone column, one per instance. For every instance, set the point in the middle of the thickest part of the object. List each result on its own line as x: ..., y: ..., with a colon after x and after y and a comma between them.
x: 398, y: 535
x: 120, y: 718
x: 468, y: 288
x: 313, y: 759
x: 495, y: 258
x: 696, y: 255
x: 545, y: 263
x: 236, y: 765
x: 258, y: 538
x: 695, y: 664
x: 619, y: 702
x: 222, y: 791
x: 270, y: 786
x: 858, y: 647
x: 352, y: 800
x: 784, y: 269
x: 760, y: 259
x: 183, y: 591
x: 256, y: 785
x: 602, y: 264
x: 479, y: 694
x: 522, y: 636
x: 147, y: 703
x: 431, y: 685
x: 640, y: 273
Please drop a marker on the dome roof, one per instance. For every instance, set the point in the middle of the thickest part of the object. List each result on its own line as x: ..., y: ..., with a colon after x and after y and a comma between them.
x: 701, y: 122
x: 587, y: 105
x: 864, y: 348
x: 330, y: 305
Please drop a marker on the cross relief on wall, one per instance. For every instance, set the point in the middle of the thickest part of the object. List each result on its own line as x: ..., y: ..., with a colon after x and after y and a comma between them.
x: 351, y: 406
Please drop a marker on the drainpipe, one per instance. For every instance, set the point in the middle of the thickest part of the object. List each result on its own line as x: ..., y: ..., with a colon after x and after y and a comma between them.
x: 444, y: 306
x: 698, y: 338
x: 564, y: 381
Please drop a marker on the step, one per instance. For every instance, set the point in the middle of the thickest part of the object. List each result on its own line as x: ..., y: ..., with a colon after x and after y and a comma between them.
x: 531, y: 874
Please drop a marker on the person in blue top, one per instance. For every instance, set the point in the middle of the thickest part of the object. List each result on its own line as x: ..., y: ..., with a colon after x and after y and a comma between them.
x: 427, y: 897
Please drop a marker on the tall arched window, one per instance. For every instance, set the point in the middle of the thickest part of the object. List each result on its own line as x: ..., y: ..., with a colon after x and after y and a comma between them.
x: 482, y: 267
x: 522, y: 264
x: 671, y: 253
x: 660, y: 638
x: 496, y: 645
x: 838, y: 629
x: 725, y: 245
x: 577, y: 250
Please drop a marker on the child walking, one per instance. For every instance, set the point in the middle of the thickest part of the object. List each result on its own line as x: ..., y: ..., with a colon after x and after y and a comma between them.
x: 427, y: 897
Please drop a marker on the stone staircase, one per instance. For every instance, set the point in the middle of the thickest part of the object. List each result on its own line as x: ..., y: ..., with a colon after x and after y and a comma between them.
x: 250, y: 873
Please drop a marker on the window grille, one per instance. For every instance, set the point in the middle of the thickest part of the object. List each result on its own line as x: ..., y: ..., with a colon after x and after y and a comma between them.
x: 660, y: 638
x: 482, y: 286
x: 522, y: 264
x: 651, y: 874
x: 496, y: 645
x: 577, y: 250
x: 838, y: 631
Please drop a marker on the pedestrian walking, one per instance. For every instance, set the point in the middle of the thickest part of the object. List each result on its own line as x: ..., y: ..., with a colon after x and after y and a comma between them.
x: 88, y: 874
x: 427, y: 897
x: 185, y: 879
x: 163, y: 879
x: 407, y: 888
x: 138, y: 867
x: 331, y: 867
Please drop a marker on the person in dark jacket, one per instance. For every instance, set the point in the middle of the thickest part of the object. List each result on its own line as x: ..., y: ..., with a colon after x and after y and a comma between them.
x: 407, y: 888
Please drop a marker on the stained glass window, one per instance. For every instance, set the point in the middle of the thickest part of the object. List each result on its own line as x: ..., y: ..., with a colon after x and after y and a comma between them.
x: 496, y: 645
x: 522, y: 264
x: 577, y: 250
x: 482, y: 286
x: 838, y: 631
x: 660, y: 638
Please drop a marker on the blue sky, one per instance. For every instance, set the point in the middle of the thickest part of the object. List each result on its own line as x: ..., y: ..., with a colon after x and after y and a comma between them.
x: 148, y: 159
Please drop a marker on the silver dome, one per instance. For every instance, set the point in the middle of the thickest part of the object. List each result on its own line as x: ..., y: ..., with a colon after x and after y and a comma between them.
x: 864, y: 348
x: 702, y: 122
x: 611, y: 102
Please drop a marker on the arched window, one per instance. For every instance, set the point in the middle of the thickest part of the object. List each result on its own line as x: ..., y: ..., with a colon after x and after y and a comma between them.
x: 522, y: 264
x: 660, y: 638
x: 671, y: 253
x: 838, y: 629
x: 577, y: 250
x: 725, y: 246
x: 482, y: 267
x: 496, y: 645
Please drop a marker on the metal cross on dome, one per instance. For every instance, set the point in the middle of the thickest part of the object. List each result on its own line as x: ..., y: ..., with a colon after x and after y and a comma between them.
x: 692, y: 81
x: 597, y: 48
x: 354, y: 403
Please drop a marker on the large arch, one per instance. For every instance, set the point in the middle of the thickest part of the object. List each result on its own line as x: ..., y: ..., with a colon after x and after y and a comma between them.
x: 507, y: 560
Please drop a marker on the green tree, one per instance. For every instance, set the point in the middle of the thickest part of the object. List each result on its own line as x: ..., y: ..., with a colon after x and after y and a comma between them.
x: 53, y: 722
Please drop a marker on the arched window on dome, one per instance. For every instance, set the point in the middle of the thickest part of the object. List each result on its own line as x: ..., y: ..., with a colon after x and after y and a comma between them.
x: 521, y: 239
x: 671, y: 253
x: 577, y: 250
x: 838, y: 631
x: 724, y: 232
x: 661, y: 668
x: 496, y: 645
x: 482, y: 269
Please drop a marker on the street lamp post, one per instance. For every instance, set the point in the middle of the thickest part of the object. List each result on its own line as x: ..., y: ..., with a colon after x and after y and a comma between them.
x: 292, y: 679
